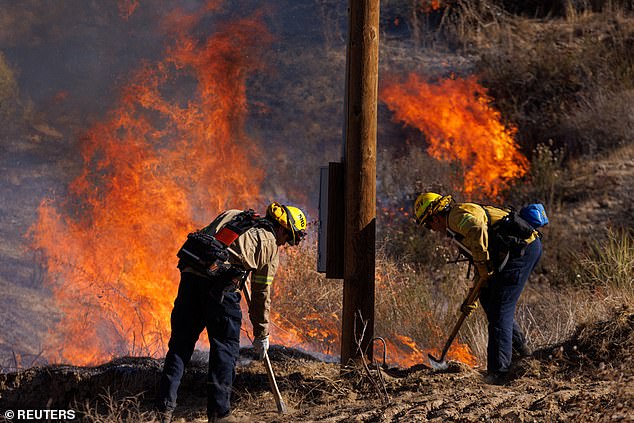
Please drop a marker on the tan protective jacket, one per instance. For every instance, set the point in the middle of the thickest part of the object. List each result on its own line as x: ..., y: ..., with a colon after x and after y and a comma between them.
x: 259, y: 253
x: 469, y: 222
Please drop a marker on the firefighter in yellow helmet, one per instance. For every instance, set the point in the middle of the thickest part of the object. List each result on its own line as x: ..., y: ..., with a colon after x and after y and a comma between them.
x: 214, y: 262
x: 504, y: 263
x: 290, y: 218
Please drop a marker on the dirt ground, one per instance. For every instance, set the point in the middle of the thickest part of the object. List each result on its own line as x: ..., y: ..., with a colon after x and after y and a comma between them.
x: 421, y: 395
x: 588, y: 378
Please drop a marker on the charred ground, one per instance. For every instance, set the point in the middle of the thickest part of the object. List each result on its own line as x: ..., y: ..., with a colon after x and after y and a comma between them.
x: 587, y: 378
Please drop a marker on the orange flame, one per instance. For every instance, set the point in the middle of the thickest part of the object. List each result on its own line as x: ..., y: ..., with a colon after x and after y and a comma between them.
x: 158, y: 167
x: 429, y: 6
x: 460, y: 124
x: 408, y: 353
x: 298, y: 319
x: 405, y: 351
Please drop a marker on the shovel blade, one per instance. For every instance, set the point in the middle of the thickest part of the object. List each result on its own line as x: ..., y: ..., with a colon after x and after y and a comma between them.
x: 281, y: 407
x: 437, y: 364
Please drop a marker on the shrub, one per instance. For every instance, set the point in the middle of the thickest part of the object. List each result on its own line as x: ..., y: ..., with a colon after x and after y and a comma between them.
x: 555, y: 79
x: 604, y: 120
x: 112, y: 408
x: 545, y: 174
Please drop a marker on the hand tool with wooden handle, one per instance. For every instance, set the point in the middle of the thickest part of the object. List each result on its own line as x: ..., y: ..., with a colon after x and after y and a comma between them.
x: 440, y: 363
x: 281, y: 405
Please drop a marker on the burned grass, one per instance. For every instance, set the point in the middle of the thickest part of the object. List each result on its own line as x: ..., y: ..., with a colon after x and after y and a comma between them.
x: 588, y: 377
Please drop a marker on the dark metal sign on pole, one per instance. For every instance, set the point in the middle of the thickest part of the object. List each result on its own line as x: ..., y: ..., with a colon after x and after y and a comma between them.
x: 331, y: 224
x: 360, y: 179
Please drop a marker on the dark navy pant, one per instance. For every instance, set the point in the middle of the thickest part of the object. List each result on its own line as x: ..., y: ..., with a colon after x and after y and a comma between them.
x: 499, y: 300
x: 200, y: 304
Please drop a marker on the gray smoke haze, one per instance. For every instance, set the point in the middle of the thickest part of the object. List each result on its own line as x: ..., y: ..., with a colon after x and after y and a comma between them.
x: 71, y: 58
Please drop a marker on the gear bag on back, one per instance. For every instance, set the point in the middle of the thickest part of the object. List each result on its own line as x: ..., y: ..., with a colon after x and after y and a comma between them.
x: 509, y: 233
x: 209, y: 254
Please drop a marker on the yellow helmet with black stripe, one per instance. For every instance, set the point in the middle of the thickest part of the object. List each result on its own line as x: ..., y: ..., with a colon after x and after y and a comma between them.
x: 290, y: 218
x: 428, y: 204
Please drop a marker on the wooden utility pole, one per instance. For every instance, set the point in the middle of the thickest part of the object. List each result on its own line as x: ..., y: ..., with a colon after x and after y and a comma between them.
x: 360, y: 179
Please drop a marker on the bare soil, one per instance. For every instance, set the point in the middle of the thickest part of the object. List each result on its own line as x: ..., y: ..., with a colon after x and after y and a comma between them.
x: 588, y: 378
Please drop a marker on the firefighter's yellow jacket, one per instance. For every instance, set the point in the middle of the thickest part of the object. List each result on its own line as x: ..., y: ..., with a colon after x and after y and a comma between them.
x: 467, y: 224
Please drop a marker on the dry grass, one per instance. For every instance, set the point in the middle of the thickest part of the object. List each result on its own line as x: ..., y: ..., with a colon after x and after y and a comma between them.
x: 560, y: 71
x: 601, y: 349
x: 110, y: 409
x: 566, y: 80
x: 548, y: 315
x: 421, y: 302
x: 609, y: 266
x: 307, y: 305
x: 418, y: 292
x: 546, y: 173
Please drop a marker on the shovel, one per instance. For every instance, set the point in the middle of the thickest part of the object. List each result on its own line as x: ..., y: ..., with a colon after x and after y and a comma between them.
x: 440, y: 363
x: 279, y: 401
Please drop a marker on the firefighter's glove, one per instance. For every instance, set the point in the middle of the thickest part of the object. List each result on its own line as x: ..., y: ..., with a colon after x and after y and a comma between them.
x: 261, y: 346
x: 467, y: 309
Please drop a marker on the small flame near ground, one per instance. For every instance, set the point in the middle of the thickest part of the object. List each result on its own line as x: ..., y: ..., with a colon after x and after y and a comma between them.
x: 428, y: 6
x: 307, y: 314
x: 460, y: 125
x: 408, y: 352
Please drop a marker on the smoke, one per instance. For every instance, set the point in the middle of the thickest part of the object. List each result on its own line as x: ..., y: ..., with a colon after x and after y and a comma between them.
x: 72, y: 58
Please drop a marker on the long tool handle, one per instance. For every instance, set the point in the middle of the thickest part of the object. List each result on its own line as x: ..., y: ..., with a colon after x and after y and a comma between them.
x: 279, y: 401
x: 474, y: 293
x: 454, y: 332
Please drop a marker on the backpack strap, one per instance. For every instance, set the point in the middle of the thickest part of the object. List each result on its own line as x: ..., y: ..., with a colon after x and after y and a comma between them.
x: 210, y: 254
x: 491, y: 226
x: 463, y: 250
x: 241, y: 223
x: 487, y: 214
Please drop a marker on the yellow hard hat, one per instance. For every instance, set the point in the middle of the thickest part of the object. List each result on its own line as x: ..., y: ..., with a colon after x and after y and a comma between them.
x: 291, y: 218
x: 429, y: 203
